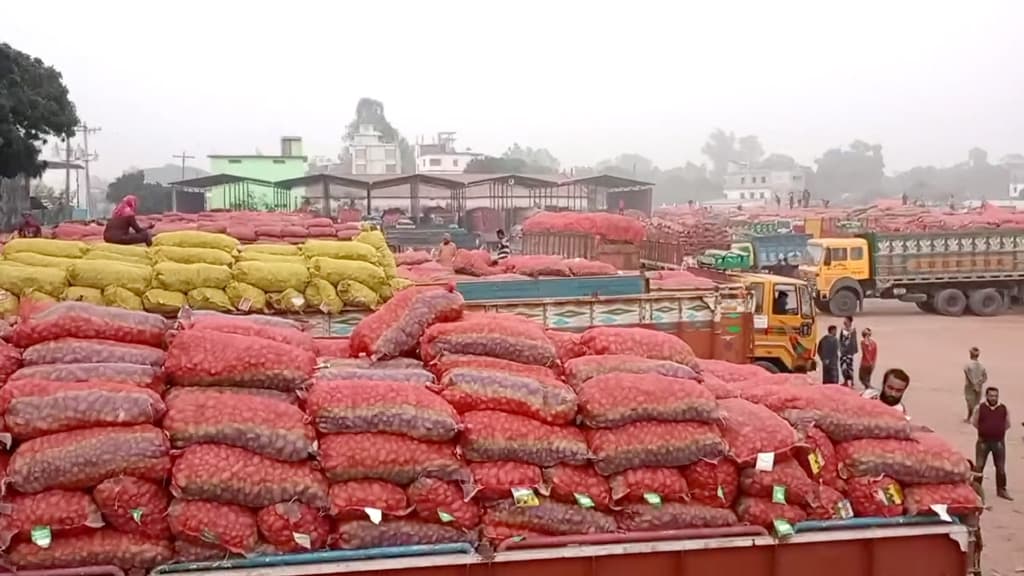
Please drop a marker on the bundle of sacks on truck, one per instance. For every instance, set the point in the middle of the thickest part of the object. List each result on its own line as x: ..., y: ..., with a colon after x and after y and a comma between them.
x: 134, y: 442
x: 203, y: 270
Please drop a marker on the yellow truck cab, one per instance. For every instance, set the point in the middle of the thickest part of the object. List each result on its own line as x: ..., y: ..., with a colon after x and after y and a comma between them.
x: 785, y: 332
x: 835, y: 268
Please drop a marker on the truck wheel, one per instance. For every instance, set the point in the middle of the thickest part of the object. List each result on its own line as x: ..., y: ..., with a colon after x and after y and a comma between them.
x: 925, y: 307
x: 985, y: 302
x: 950, y: 302
x: 843, y: 303
x: 768, y: 366
x: 821, y: 305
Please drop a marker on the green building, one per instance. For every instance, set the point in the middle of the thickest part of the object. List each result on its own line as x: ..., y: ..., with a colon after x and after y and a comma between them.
x: 259, y: 192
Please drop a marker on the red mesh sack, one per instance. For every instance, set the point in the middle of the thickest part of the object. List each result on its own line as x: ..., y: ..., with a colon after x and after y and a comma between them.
x: 104, y: 547
x: 268, y: 231
x: 928, y: 459
x: 294, y: 232
x: 567, y: 345
x: 34, y: 408
x: 293, y: 527
x: 655, y: 445
x: 841, y: 413
x: 550, y: 517
x: 617, y: 399
x: 537, y: 265
x: 204, y: 358
x: 10, y: 361
x: 958, y: 498
x: 134, y: 374
x: 394, y: 407
x: 489, y: 436
x: 134, y: 506
x: 402, y: 375
x: 80, y: 351
x: 263, y: 425
x: 673, y: 516
x: 443, y: 502
x: 188, y: 551
x: 396, y: 328
x: 242, y: 232
x: 332, y: 347
x: 84, y: 458
x: 516, y: 341
x: 499, y: 532
x: 730, y: 372
x: 274, y: 321
x: 452, y: 361
x: 57, y: 510
x: 412, y: 257
x: 720, y: 388
x: 880, y: 496
x: 474, y: 263
x: 236, y: 476
x: 818, y: 458
x: 581, y: 267
x: 579, y: 370
x: 711, y: 483
x: 81, y: 320
x: 349, y: 500
x: 363, y: 534
x: 787, y: 474
x: 495, y: 480
x: 614, y: 227
x: 566, y: 483
x: 545, y: 399
x: 830, y: 505
x: 244, y: 327
x: 750, y: 429
x: 763, y: 512
x: 641, y: 342
x: 390, y: 457
x: 226, y: 393
x: 643, y: 484
x: 226, y: 526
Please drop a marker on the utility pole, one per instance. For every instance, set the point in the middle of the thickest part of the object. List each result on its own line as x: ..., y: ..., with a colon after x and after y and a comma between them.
x: 85, y: 130
x: 174, y: 193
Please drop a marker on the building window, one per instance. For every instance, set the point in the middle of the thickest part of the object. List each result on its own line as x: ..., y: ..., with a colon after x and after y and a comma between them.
x: 761, y: 195
x: 435, y: 161
x: 424, y: 162
x: 278, y: 161
x: 389, y: 154
x: 359, y: 169
x: 743, y: 195
x: 234, y: 161
x: 743, y: 180
x: 391, y: 168
x: 455, y: 162
x: 856, y: 253
x: 763, y: 179
x: 360, y: 154
x: 797, y: 178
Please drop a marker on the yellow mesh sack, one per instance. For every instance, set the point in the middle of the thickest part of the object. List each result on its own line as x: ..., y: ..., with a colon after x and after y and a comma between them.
x: 187, y: 277
x: 160, y: 301
x: 335, y: 271
x: 47, y: 247
x: 247, y: 298
x: 322, y: 296
x: 356, y: 295
x: 340, y: 250
x: 102, y: 273
x: 121, y: 298
x: 18, y: 279
x: 272, y: 276
x: 209, y: 299
x: 84, y: 294
x: 196, y: 239
x: 191, y: 255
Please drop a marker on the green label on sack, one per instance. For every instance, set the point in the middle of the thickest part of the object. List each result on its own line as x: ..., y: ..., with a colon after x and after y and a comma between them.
x: 303, y: 540
x: 583, y: 500
x: 42, y: 536
x: 445, y: 517
x: 137, y: 515
x: 844, y: 510
x: 816, y: 462
x: 779, y: 494
x: 721, y: 493
x: 652, y: 498
x: 525, y: 497
x: 783, y: 529
x: 374, y: 514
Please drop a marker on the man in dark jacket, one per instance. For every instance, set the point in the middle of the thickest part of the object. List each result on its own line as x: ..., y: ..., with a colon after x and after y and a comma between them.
x: 847, y: 350
x: 992, y: 419
x: 828, y: 352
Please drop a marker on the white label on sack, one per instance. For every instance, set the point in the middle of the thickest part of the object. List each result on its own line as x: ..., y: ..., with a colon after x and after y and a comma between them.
x: 943, y: 511
x: 302, y: 540
x: 298, y: 301
x: 765, y: 462
x: 375, y: 514
x: 324, y: 307
x: 244, y: 304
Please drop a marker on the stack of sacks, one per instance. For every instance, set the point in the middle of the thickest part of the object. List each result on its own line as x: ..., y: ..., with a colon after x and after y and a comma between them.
x: 37, y: 269
x: 87, y: 473
x: 612, y: 227
x: 277, y: 269
x: 191, y: 267
x: 349, y: 273
x: 244, y: 481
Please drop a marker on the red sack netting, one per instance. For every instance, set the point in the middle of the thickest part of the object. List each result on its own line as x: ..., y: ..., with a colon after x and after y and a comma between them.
x: 134, y: 506
x: 641, y: 342
x: 404, y: 375
x: 577, y: 484
x: 537, y: 265
x: 259, y: 424
x: 390, y: 457
x: 787, y: 474
x: 840, y: 412
x: 413, y: 257
x: 244, y: 327
x: 495, y: 480
x: 729, y: 372
x: 134, y: 374
x: 95, y: 548
x: 79, y: 351
x: 204, y: 358
x: 58, y: 510
x: 236, y: 476
x: 326, y: 348
x: 452, y: 361
x: 927, y: 459
x: 293, y: 527
x: 10, y: 361
x: 545, y: 399
x: 362, y: 534
x: 673, y: 516
x: 763, y: 512
x: 672, y: 280
x: 227, y: 392
x: 81, y: 320
x: 654, y: 445
x: 643, y: 484
x: 713, y: 483
x: 549, y: 517
x: 394, y: 407
x: 719, y: 388
x: 617, y: 399
x: 582, y: 267
x: 609, y: 226
x: 516, y: 341
x: 498, y: 532
x: 273, y: 321
x: 349, y: 500
x: 444, y: 503
x: 579, y: 370
x: 879, y: 496
x: 957, y: 498
x: 830, y: 505
x: 227, y: 526
x: 84, y: 458
x: 567, y: 345
x: 397, y: 327
x: 475, y: 263
x: 818, y: 458
x: 751, y: 429
x: 489, y: 436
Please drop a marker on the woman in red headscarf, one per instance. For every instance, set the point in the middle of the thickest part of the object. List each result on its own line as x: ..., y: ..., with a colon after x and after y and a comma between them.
x: 122, y: 228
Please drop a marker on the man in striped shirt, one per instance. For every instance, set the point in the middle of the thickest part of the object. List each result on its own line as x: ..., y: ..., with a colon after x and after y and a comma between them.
x: 504, y: 250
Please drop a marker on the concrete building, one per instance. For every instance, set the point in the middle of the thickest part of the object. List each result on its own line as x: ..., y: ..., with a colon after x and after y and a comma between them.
x: 440, y: 157
x: 370, y: 154
x: 756, y: 185
x: 291, y: 163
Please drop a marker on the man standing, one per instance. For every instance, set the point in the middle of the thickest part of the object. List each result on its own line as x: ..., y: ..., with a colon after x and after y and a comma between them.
x: 847, y: 350
x: 446, y: 251
x: 868, y: 357
x: 975, y: 377
x: 828, y: 352
x: 894, y: 385
x: 992, y: 419
x: 504, y: 249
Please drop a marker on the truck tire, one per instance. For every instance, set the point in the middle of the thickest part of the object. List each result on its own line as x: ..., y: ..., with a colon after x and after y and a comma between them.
x: 950, y: 302
x: 821, y: 305
x: 767, y: 366
x: 925, y: 307
x: 843, y: 303
x: 985, y: 302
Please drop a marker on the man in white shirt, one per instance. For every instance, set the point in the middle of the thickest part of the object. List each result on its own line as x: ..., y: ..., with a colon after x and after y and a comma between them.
x: 894, y: 384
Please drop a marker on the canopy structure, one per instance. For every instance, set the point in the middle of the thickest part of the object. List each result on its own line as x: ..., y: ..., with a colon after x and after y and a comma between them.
x: 377, y: 186
x: 237, y: 192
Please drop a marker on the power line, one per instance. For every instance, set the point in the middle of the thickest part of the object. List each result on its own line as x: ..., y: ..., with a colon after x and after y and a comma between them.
x: 85, y: 130
x: 183, y: 156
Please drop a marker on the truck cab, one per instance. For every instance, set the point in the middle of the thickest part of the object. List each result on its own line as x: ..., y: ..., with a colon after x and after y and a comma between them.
x: 784, y: 322
x: 838, y: 270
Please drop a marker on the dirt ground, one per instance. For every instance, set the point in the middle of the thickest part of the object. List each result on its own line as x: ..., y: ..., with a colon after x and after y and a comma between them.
x: 933, y: 350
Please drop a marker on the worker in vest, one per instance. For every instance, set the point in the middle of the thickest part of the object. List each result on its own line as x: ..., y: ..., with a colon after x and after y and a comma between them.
x: 992, y: 419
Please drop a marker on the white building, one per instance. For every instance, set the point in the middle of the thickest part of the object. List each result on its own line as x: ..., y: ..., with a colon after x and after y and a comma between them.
x: 744, y: 184
x: 372, y: 155
x: 440, y: 157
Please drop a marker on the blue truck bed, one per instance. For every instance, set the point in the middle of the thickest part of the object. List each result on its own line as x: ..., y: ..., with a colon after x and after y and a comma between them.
x: 584, y: 286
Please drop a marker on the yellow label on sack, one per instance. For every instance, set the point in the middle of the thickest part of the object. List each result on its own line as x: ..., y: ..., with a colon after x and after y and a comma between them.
x: 816, y: 461
x: 525, y: 497
x: 891, y: 495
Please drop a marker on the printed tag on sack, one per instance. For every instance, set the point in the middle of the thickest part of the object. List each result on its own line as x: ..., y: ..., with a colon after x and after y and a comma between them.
x: 525, y: 497
x: 298, y: 302
x: 765, y: 462
x: 652, y: 498
x: 721, y: 493
x: 185, y: 314
x: 325, y: 308
x: 303, y: 540
x: 779, y: 494
x: 943, y: 512
x: 583, y: 500
x: 445, y: 517
x: 891, y: 495
x: 816, y: 462
x: 244, y: 304
x: 137, y: 515
x: 374, y: 514
x: 783, y: 529
x: 844, y: 510
x: 4, y: 295
x: 41, y: 536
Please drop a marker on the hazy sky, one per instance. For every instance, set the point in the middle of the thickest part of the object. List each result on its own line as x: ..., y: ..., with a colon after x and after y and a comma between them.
x: 588, y: 80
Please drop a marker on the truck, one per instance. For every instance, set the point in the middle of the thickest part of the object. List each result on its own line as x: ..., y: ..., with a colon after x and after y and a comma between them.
x: 745, y: 252
x: 942, y: 272
x: 622, y: 255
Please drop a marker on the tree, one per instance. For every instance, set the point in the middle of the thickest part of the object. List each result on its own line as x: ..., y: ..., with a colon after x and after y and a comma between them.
x: 750, y: 150
x: 854, y: 174
x: 977, y: 157
x: 371, y: 112
x: 720, y: 149
x: 630, y: 165
x: 778, y: 162
x: 34, y: 106
x: 516, y: 160
x: 541, y: 160
x: 153, y: 198
x: 493, y: 165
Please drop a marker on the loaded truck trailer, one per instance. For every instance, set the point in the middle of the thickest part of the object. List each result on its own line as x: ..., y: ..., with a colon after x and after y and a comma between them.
x: 948, y: 273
